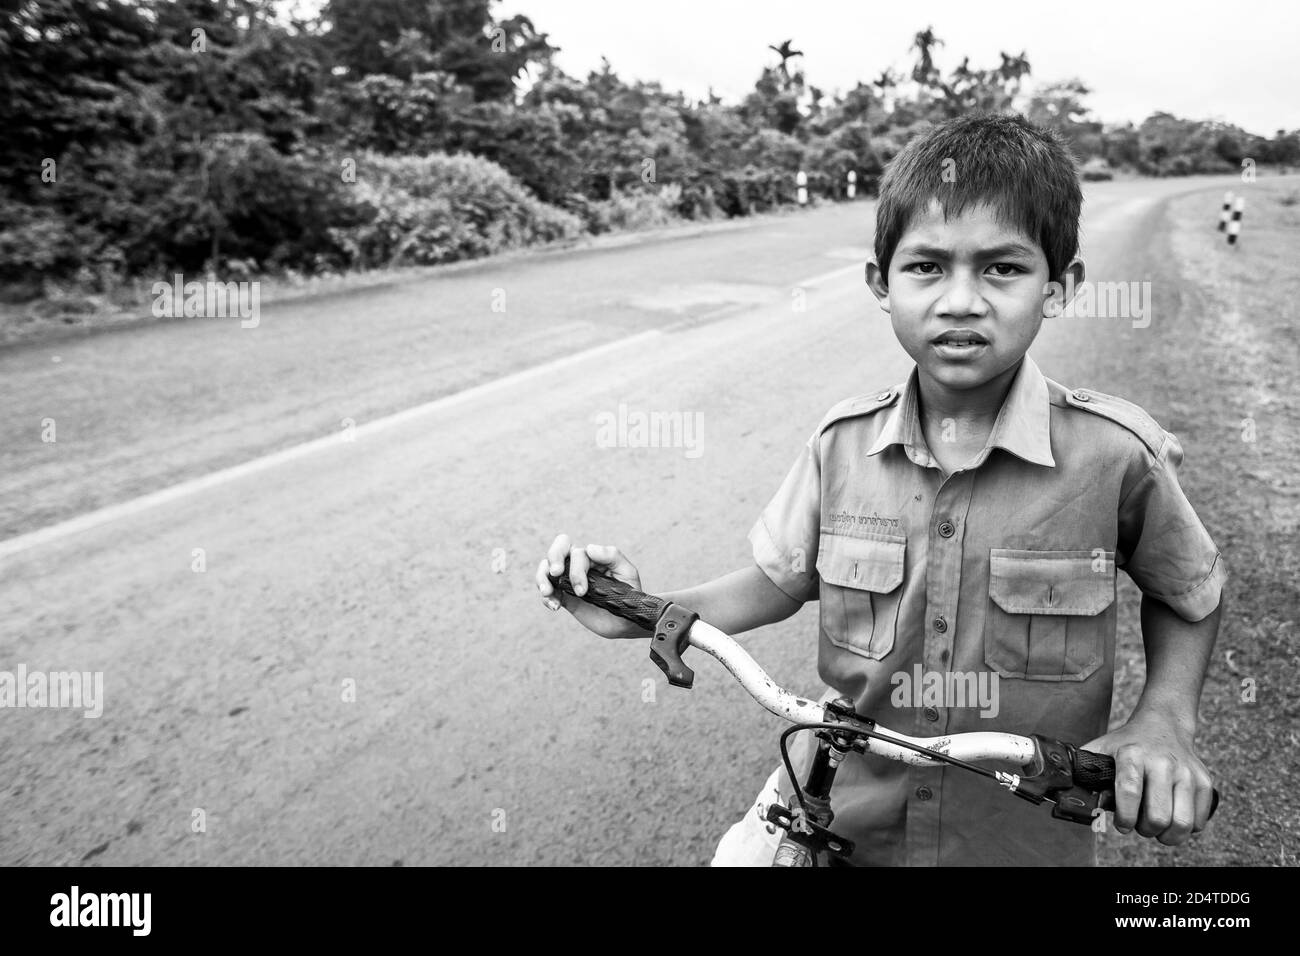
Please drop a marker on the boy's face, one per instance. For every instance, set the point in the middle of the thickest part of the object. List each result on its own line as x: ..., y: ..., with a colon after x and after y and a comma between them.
x: 966, y: 295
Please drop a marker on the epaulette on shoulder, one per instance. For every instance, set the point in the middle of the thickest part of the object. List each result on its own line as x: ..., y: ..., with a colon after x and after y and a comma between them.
x: 860, y: 405
x: 1122, y: 412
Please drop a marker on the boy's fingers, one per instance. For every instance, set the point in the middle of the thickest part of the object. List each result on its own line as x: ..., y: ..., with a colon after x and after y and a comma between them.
x: 1184, y: 812
x: 1157, y: 798
x: 615, y: 562
x: 608, y: 555
x: 1204, y: 800
x: 549, y: 597
x: 1128, y: 788
x: 578, y: 564
x: 557, y: 552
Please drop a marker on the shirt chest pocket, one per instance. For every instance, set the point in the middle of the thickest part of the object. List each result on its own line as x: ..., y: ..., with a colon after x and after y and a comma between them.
x: 861, y: 586
x: 1050, y: 613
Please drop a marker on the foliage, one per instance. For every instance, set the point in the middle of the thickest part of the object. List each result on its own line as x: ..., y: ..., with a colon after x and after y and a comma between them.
x: 143, y: 136
x: 426, y: 210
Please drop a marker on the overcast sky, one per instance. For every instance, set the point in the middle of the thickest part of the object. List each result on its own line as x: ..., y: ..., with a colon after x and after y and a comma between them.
x: 1234, y: 61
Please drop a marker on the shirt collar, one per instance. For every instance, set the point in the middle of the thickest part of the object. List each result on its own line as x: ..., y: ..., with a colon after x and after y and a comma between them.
x: 1023, y: 425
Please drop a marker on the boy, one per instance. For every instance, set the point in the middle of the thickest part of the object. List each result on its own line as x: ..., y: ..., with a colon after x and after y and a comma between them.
x: 968, y: 524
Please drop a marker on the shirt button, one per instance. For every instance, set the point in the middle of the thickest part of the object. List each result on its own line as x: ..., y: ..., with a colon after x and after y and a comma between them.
x: 946, y: 529
x: 882, y: 397
x: 940, y: 625
x: 924, y: 793
x: 1082, y: 396
x: 931, y: 713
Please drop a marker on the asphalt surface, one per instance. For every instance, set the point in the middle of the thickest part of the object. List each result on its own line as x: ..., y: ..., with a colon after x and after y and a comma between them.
x: 362, y: 672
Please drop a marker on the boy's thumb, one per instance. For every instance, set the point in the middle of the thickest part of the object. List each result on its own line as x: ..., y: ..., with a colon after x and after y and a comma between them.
x: 604, y: 553
x: 1097, y: 745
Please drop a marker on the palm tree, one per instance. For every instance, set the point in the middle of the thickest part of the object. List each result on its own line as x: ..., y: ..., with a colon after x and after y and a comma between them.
x: 785, y: 53
x: 923, y: 42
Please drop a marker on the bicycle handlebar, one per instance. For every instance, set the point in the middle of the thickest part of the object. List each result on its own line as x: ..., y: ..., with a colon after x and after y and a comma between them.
x: 616, y: 597
x: 646, y: 611
x: 675, y: 628
x: 799, y: 710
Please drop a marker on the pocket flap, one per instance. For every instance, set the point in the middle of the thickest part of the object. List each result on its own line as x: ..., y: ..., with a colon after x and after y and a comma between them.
x: 1051, y: 582
x: 869, y: 564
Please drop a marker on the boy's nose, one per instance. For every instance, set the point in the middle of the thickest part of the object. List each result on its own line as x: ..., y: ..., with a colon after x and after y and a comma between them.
x: 961, y: 297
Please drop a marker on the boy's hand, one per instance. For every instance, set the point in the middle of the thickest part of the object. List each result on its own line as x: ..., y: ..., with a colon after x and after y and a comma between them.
x: 606, y: 556
x: 1161, y: 786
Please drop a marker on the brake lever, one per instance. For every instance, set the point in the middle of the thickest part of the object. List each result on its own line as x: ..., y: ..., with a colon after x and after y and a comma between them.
x: 671, y: 637
x: 671, y: 622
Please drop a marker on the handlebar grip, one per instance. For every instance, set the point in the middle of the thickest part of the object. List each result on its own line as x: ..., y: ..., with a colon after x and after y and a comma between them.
x: 1096, y: 772
x: 611, y: 594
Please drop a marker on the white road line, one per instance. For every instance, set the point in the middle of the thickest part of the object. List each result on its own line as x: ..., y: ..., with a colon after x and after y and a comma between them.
x: 859, y: 267
x: 94, y: 519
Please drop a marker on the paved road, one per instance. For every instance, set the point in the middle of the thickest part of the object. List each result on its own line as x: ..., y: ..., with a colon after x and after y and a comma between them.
x: 481, y: 729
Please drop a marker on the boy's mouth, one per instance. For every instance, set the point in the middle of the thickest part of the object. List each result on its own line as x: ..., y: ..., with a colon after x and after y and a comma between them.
x: 959, y: 338
x: 959, y: 344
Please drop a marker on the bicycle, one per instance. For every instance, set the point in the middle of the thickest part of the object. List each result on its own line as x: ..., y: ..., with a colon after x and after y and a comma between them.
x: 1078, y: 783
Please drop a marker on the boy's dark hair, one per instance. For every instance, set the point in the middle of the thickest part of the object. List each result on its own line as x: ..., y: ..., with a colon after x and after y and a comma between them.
x: 1025, y: 172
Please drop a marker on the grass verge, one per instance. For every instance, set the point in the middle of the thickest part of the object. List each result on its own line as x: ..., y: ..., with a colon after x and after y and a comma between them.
x: 1221, y: 373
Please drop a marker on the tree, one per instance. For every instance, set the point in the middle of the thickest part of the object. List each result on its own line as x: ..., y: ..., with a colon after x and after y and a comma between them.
x: 925, y: 72
x: 966, y: 90
x: 72, y: 74
x: 460, y: 37
x: 1059, y: 106
x: 774, y: 103
x: 785, y: 52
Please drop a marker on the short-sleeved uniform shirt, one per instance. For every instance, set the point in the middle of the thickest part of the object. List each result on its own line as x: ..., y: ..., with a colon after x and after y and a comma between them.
x: 984, y: 601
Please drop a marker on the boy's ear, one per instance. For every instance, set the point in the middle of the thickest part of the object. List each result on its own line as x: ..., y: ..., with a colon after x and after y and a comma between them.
x: 876, y: 282
x: 1062, y: 290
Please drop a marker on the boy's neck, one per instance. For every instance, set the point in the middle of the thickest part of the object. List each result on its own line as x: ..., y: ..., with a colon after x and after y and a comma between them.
x: 976, y: 407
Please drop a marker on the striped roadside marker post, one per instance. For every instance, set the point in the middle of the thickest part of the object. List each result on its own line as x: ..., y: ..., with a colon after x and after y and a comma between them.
x: 1234, y: 227
x: 802, y: 182
x: 1223, y: 214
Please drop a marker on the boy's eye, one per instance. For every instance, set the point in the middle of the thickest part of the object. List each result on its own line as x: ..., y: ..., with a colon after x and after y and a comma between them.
x: 1000, y: 269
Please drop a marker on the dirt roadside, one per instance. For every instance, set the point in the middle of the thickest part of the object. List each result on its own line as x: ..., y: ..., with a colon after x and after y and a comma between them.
x: 1220, y: 373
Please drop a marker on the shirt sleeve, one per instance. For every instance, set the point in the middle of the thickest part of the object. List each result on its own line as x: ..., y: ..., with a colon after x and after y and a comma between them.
x: 786, y: 534
x: 1163, y: 546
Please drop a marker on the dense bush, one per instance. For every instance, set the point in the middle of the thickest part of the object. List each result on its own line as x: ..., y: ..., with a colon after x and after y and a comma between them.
x: 424, y: 210
x: 753, y: 189
x: 641, y: 209
x: 33, y: 243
